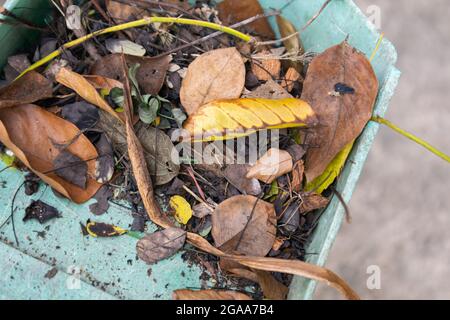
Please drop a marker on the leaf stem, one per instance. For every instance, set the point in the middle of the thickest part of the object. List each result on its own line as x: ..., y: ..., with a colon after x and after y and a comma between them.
x: 136, y: 24
x: 412, y: 137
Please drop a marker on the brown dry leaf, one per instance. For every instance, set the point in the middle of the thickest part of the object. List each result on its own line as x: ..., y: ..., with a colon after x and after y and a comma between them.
x: 236, y: 175
x: 27, y: 89
x: 186, y: 294
x: 271, y: 165
x: 292, y: 44
x: 34, y: 135
x: 342, y: 116
x: 228, y: 119
x: 294, y: 267
x: 272, y: 288
x: 100, y: 82
x: 290, y: 78
x: 233, y: 11
x: 244, y: 224
x: 160, y: 245
x: 150, y: 75
x: 297, y: 176
x: 313, y: 201
x: 85, y: 89
x: 156, y: 145
x: 137, y: 159
x: 217, y: 74
x: 124, y: 13
x: 266, y: 69
x: 269, y: 90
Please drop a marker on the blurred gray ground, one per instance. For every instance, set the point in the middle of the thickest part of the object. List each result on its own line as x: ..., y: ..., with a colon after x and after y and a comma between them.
x: 401, y: 208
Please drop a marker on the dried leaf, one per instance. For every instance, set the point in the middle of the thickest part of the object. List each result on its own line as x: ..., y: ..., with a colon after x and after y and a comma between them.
x: 244, y: 224
x: 33, y: 134
x: 322, y: 182
x: 271, y: 287
x: 182, y: 208
x: 84, y: 89
x: 186, y: 294
x: 103, y: 230
x: 290, y: 220
x: 27, y: 89
x: 126, y: 46
x: 269, y: 90
x: 233, y: 11
x: 157, y: 147
x: 228, y: 119
x: 294, y: 267
x: 150, y: 74
x: 121, y: 12
x: 266, y: 69
x: 342, y: 116
x: 40, y: 211
x: 291, y: 77
x: 313, y: 201
x: 292, y: 44
x: 73, y: 169
x: 202, y: 210
x: 297, y: 176
x: 105, y: 163
x: 217, y: 74
x: 81, y: 114
x: 160, y: 245
x: 236, y: 175
x: 271, y: 165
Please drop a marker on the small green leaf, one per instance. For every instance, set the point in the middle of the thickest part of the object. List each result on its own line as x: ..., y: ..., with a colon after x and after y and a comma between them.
x: 116, y: 95
x: 179, y: 116
x: 148, y: 109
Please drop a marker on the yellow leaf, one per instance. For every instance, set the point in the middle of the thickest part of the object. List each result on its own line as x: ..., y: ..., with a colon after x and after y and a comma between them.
x: 99, y: 229
x: 229, y: 119
x: 333, y: 170
x: 183, y: 210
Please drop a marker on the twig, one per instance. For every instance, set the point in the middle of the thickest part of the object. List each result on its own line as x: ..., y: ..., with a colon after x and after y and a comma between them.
x: 412, y: 137
x: 310, y: 21
x: 20, y: 20
x: 218, y: 33
x: 145, y: 5
x: 191, y: 174
x: 198, y: 198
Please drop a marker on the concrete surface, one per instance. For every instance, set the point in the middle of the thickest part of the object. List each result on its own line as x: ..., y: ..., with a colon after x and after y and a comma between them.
x: 401, y: 208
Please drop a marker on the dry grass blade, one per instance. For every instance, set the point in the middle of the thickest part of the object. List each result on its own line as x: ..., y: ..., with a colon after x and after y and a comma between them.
x: 137, y: 159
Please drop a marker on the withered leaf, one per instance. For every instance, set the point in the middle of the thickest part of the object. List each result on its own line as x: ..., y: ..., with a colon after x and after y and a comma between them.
x: 102, y: 196
x: 236, y: 175
x: 290, y: 219
x: 342, y: 117
x: 186, y: 294
x: 33, y: 133
x: 293, y: 44
x: 84, y: 89
x: 272, y: 288
x: 27, y: 89
x: 105, y: 161
x: 71, y: 168
x: 150, y: 75
x: 233, y: 11
x: 160, y: 245
x: 269, y: 90
x: 244, y: 224
x: 266, y: 69
x: 313, y: 201
x: 81, y: 114
x: 271, y: 165
x: 217, y: 74
x: 121, y: 12
x: 157, y: 147
x: 40, y: 211
x: 103, y: 230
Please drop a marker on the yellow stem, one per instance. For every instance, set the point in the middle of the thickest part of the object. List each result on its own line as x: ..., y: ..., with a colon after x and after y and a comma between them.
x: 412, y: 137
x: 136, y: 24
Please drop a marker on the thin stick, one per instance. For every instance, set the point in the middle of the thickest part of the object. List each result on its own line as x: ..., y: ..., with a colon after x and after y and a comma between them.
x: 198, y: 198
x: 218, y: 33
x: 412, y: 137
x: 310, y: 21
